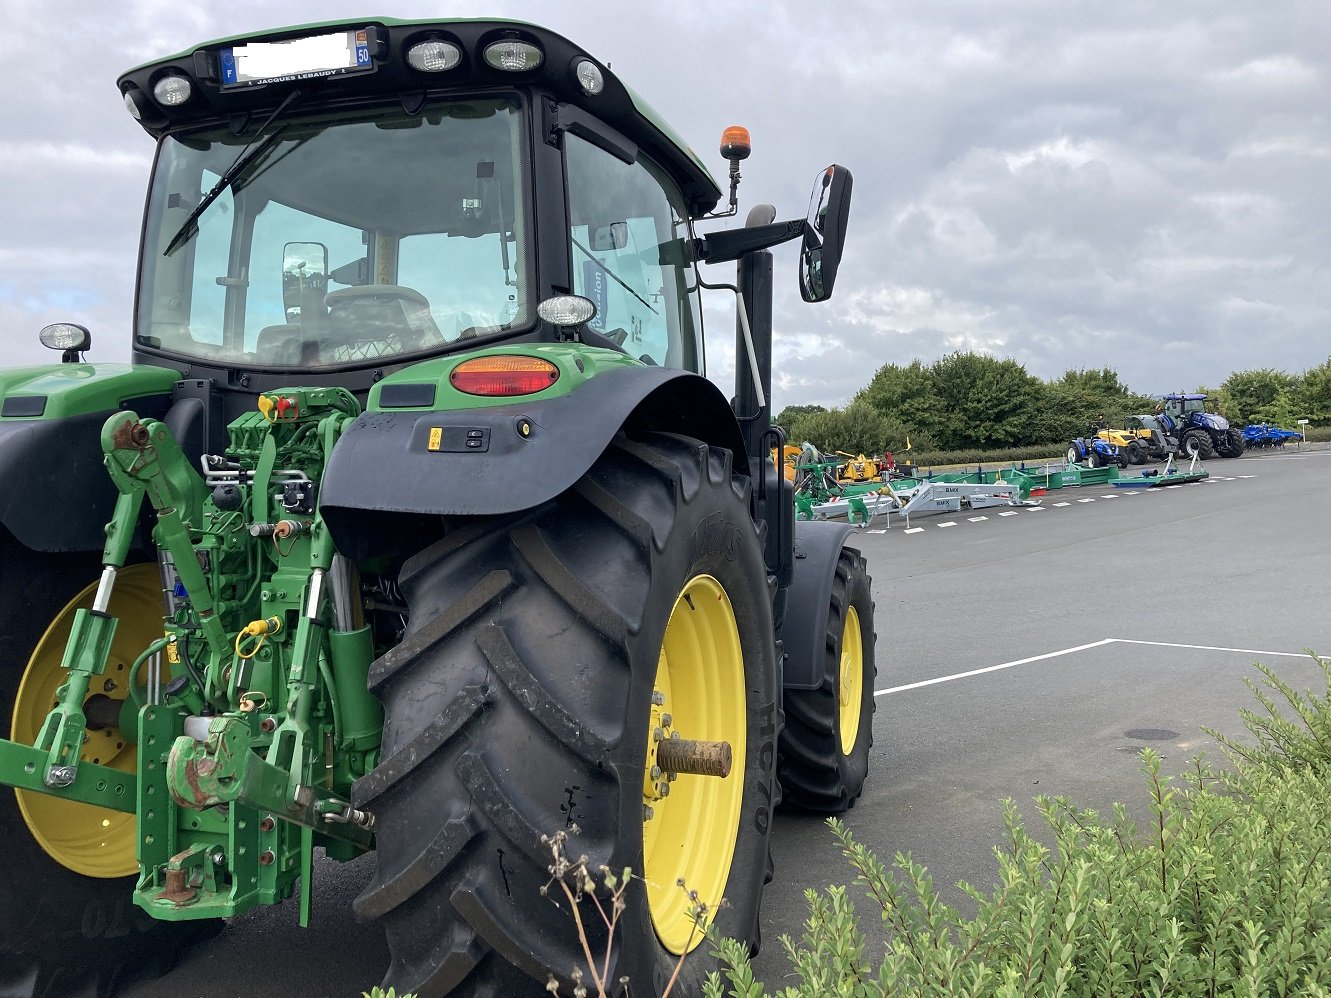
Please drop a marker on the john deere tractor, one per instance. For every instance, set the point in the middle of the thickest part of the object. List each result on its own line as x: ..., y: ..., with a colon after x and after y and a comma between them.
x: 414, y: 527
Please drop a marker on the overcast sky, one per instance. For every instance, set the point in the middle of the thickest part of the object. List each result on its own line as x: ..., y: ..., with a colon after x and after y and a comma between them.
x: 1143, y: 186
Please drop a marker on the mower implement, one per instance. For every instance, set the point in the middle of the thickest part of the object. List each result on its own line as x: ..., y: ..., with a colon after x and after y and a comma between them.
x: 415, y: 528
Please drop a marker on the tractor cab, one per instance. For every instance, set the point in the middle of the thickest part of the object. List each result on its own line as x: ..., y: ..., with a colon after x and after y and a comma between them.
x: 341, y: 200
x: 351, y: 198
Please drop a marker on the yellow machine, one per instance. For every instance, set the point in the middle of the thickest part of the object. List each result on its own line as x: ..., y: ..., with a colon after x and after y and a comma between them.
x: 1134, y: 444
x: 859, y: 469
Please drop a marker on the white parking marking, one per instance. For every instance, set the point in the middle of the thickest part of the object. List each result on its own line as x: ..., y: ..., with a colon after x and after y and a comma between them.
x: 914, y: 530
x: 1086, y: 647
x: 1085, y: 500
x: 1177, y: 486
x: 1011, y: 512
x: 1112, y: 495
x: 878, y: 530
x: 990, y: 668
x: 949, y: 523
x: 1034, y: 509
x: 1062, y: 504
x: 1237, y: 651
x: 977, y: 519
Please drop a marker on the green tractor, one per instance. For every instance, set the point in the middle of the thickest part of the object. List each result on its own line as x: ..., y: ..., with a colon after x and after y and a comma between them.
x: 415, y: 527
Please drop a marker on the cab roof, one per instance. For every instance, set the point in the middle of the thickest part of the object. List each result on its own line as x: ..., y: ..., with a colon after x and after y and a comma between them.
x: 390, y: 77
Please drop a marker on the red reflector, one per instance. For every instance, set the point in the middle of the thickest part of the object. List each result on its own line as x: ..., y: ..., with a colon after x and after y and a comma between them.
x: 504, y: 375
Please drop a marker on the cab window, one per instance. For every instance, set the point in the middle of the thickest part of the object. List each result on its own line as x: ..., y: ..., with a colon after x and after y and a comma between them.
x: 629, y: 244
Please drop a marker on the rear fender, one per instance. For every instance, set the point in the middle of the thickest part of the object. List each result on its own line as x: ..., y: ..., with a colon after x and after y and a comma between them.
x: 818, y: 545
x: 55, y: 494
x: 393, y: 472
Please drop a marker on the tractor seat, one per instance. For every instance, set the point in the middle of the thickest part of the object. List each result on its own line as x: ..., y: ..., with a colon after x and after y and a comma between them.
x: 286, y: 346
x: 378, y: 319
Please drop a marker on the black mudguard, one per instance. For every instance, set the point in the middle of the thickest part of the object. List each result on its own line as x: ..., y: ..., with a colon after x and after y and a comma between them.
x: 504, y: 458
x: 55, y: 494
x: 818, y: 545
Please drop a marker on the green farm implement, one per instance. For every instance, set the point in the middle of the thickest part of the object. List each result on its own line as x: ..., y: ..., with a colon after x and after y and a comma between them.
x: 415, y: 529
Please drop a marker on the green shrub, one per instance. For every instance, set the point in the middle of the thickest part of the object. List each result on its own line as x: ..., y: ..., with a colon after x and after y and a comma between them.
x: 1228, y: 892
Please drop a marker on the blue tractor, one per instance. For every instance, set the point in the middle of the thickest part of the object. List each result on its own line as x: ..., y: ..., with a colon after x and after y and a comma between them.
x: 1199, y: 433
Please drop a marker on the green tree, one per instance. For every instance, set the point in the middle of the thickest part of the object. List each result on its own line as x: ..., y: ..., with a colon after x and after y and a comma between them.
x: 1251, y: 396
x: 856, y: 429
x: 905, y: 394
x: 787, y: 416
x: 1103, y: 382
x: 985, y: 402
x: 1313, y: 398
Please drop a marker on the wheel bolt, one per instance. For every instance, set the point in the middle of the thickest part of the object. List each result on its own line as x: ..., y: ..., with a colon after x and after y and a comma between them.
x: 266, y: 823
x: 656, y: 772
x: 266, y: 857
x: 647, y: 813
x: 665, y: 720
x: 658, y: 698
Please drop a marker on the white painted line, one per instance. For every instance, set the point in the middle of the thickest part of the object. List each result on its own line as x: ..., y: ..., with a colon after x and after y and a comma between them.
x: 949, y: 523
x: 1112, y: 495
x: 1062, y: 504
x: 878, y: 530
x: 977, y: 519
x: 1087, y: 647
x: 1179, y: 486
x: 1085, y: 500
x: 1034, y: 509
x: 1237, y: 651
x: 1247, y: 476
x: 1130, y: 492
x: 1011, y: 512
x: 992, y: 668
x: 914, y: 530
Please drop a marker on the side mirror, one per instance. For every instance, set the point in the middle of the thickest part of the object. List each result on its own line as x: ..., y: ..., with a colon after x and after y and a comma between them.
x: 824, y: 233
x: 304, y: 269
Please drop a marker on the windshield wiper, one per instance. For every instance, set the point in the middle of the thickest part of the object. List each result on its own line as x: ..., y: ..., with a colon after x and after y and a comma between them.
x: 614, y: 277
x: 246, y: 158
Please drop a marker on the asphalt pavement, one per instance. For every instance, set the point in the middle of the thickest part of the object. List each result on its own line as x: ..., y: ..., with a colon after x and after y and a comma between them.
x: 1018, y: 655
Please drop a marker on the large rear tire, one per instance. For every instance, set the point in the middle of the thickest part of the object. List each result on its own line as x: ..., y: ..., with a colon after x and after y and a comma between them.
x: 68, y: 923
x: 825, y: 744
x: 543, y: 652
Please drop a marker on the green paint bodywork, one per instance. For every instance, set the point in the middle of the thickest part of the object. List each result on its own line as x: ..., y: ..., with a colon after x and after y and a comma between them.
x: 78, y: 389
x: 577, y: 365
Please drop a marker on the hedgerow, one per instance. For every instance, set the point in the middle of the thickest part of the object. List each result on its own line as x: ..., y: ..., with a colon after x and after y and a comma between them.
x: 1227, y: 892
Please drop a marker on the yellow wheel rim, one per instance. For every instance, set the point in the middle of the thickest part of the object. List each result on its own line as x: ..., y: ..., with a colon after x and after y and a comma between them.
x: 850, y: 681
x: 689, y: 832
x: 89, y: 840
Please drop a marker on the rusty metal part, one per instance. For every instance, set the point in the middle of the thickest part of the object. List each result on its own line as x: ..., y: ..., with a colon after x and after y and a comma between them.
x: 130, y: 435
x: 682, y: 755
x: 177, y: 890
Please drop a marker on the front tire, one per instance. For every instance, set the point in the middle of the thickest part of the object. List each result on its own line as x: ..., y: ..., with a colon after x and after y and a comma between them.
x: 68, y: 923
x: 1196, y: 443
x: 825, y: 745
x: 543, y: 652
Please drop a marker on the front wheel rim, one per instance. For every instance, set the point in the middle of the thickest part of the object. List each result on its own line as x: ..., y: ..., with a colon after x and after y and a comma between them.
x: 690, y: 824
x: 90, y: 840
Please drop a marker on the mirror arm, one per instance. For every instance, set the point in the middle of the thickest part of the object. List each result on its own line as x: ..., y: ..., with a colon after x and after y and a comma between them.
x: 731, y: 244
